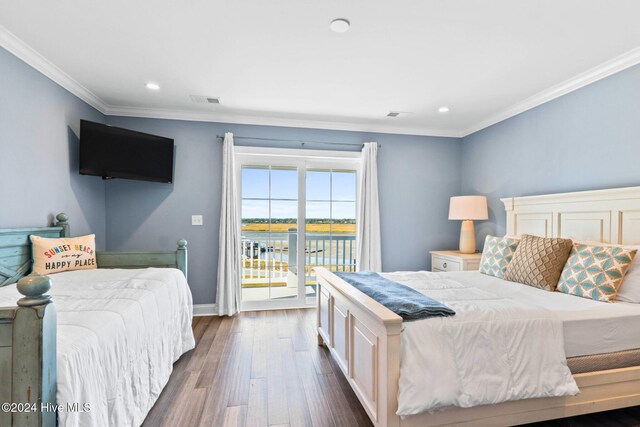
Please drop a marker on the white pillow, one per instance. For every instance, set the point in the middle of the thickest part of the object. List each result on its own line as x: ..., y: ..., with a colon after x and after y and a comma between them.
x: 630, y: 288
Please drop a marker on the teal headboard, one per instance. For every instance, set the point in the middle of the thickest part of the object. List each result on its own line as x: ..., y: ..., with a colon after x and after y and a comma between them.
x: 15, y: 252
x: 15, y: 248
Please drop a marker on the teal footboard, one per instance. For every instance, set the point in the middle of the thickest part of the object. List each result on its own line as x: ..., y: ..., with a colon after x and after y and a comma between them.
x: 176, y: 259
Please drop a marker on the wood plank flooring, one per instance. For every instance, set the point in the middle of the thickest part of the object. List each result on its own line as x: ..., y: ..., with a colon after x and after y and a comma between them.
x: 266, y: 369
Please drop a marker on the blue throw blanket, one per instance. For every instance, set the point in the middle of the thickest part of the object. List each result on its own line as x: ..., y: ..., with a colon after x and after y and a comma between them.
x: 402, y: 300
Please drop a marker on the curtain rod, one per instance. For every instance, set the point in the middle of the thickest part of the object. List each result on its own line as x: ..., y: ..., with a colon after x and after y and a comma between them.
x: 298, y: 141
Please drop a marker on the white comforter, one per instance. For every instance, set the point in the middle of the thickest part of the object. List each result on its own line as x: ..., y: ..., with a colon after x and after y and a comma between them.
x: 494, y: 349
x: 119, y: 332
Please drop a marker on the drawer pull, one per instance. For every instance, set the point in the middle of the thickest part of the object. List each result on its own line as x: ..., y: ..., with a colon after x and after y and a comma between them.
x: 444, y: 264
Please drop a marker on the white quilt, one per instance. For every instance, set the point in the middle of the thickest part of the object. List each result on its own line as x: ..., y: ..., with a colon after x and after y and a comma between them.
x: 494, y: 349
x: 119, y: 332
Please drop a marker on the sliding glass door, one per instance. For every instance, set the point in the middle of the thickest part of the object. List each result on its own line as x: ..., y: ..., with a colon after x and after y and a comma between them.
x: 330, y: 223
x: 269, y: 233
x: 298, y: 212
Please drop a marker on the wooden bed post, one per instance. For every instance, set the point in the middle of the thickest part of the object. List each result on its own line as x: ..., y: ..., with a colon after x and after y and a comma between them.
x: 63, y: 221
x: 34, y: 354
x: 182, y: 256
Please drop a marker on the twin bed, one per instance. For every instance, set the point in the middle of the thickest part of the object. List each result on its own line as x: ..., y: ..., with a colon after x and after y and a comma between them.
x: 512, y: 354
x: 100, y: 347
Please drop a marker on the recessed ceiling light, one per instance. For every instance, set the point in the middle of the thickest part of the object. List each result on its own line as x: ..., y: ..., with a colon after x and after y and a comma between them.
x: 443, y: 110
x: 152, y: 86
x: 339, y: 25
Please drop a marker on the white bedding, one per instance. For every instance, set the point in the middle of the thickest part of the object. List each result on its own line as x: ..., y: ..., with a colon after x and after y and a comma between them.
x: 119, y: 332
x: 495, y: 349
x: 590, y: 327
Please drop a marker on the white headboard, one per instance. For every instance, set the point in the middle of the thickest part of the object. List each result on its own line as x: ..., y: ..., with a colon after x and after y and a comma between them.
x: 610, y: 216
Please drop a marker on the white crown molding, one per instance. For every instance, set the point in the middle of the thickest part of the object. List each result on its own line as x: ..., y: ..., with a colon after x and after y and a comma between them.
x: 27, y: 54
x: 273, y: 121
x: 205, y: 310
x: 615, y: 65
x: 24, y: 52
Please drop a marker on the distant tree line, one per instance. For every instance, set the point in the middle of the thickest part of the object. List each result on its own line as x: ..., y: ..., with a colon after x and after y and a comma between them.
x: 295, y: 220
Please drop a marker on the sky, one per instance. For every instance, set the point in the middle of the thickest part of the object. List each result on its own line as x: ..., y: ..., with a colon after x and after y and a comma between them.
x: 329, y: 194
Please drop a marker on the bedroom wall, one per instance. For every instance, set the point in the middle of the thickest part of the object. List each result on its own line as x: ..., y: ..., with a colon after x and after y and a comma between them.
x: 585, y: 140
x: 417, y: 176
x: 39, y: 128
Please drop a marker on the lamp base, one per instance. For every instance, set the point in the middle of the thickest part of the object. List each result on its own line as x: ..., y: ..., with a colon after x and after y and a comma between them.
x: 467, y: 237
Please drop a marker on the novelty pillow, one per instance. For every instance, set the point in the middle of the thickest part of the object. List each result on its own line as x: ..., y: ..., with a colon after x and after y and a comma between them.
x: 64, y: 254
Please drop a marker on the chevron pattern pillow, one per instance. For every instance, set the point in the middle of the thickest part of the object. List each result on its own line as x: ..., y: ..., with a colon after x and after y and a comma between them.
x: 497, y: 254
x: 538, y: 261
x: 595, y: 272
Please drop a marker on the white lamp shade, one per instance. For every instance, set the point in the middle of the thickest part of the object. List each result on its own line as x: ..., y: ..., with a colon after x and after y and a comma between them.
x: 468, y: 207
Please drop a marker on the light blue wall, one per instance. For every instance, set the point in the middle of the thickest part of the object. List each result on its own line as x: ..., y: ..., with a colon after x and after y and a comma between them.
x: 417, y: 176
x: 587, y: 139
x: 39, y: 128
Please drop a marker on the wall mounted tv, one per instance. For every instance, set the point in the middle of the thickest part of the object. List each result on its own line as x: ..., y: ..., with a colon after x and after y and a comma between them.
x: 112, y: 152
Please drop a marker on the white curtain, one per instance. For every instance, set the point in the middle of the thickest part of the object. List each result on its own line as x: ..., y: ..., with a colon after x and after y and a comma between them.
x: 229, y: 264
x: 368, y: 236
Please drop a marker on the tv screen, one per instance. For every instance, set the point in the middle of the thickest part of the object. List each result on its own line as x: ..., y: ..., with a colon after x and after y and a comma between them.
x: 112, y: 152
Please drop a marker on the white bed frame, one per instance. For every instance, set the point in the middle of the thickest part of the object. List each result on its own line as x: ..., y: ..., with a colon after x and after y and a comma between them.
x: 364, y: 337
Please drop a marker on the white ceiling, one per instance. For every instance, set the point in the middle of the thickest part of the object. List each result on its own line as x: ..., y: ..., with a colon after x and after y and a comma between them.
x: 277, y: 62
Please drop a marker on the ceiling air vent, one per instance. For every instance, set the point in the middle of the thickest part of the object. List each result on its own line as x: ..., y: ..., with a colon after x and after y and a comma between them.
x: 199, y: 99
x: 398, y: 113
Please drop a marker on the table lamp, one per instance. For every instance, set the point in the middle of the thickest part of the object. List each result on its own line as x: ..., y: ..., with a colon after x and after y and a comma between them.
x: 468, y: 208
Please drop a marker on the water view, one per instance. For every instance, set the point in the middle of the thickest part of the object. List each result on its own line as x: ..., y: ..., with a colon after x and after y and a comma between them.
x: 270, y: 239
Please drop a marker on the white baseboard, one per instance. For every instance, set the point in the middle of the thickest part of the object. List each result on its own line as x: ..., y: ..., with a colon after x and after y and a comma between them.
x: 205, y: 310
x: 212, y: 309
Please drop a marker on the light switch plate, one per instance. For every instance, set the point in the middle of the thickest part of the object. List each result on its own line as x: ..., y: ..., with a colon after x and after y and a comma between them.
x: 196, y: 219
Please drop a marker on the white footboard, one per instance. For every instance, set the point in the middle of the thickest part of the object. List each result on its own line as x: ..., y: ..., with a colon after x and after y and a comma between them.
x: 364, y: 339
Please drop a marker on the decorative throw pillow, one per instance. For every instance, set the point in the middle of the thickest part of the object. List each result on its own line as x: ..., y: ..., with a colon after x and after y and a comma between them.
x: 56, y: 255
x: 630, y: 288
x: 538, y: 261
x: 595, y: 272
x: 497, y: 254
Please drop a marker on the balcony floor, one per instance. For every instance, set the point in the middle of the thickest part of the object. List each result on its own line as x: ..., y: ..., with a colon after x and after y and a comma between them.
x: 279, y: 291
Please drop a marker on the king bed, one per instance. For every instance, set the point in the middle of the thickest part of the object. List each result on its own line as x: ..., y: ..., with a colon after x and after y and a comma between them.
x: 89, y: 347
x: 512, y: 353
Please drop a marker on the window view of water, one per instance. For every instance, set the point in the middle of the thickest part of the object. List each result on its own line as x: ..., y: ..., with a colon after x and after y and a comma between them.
x: 270, y: 238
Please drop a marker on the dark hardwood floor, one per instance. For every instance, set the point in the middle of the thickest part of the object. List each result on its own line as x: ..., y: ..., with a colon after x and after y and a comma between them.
x: 266, y: 369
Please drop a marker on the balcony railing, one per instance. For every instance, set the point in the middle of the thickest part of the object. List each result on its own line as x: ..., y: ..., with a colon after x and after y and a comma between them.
x: 264, y: 258
x: 336, y: 252
x: 268, y: 258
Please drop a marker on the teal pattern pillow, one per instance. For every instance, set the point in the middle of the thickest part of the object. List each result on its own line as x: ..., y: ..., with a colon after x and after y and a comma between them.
x: 497, y: 254
x: 595, y: 272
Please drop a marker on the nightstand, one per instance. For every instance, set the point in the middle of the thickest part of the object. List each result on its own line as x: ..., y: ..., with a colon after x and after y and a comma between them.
x: 454, y: 261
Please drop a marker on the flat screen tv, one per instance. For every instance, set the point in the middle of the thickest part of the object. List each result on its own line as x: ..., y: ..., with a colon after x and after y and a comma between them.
x: 112, y: 152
